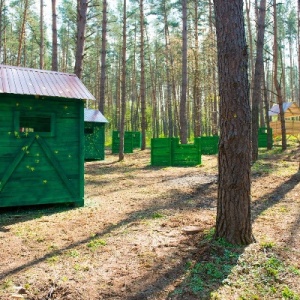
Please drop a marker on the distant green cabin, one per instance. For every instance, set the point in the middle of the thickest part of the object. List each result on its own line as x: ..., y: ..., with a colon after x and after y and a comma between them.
x: 94, y: 133
x: 41, y: 137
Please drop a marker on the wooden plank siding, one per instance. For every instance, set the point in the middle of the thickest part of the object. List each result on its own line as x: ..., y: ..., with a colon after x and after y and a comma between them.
x: 292, y: 127
x: 41, y: 167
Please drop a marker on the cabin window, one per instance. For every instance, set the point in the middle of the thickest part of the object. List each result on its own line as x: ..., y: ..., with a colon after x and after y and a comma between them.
x: 28, y: 123
x: 35, y: 124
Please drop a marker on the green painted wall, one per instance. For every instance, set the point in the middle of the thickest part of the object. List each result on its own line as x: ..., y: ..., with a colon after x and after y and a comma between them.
x: 94, y: 134
x: 44, y: 161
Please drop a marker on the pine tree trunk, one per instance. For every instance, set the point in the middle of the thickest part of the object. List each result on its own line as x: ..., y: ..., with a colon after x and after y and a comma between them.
x: 2, y: 29
x: 143, y: 96
x: 22, y: 33
x: 82, y: 6
x: 276, y: 83
x: 42, y: 44
x: 54, y: 38
x: 298, y: 52
x: 258, y: 76
x: 123, y: 86
x: 197, y: 91
x: 168, y: 75
x: 233, y: 207
x: 183, y: 100
x: 251, y: 60
x: 103, y: 57
x: 266, y: 104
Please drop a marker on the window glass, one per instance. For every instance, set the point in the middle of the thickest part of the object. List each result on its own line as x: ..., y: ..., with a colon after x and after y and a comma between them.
x: 35, y: 124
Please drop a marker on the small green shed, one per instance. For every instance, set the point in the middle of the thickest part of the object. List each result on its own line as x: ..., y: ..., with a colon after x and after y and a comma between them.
x: 94, y: 133
x: 41, y: 137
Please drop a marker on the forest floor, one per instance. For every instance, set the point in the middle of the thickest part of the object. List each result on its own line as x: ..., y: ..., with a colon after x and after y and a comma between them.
x: 146, y: 233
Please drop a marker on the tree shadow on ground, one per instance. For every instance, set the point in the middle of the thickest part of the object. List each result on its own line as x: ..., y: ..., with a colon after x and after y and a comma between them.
x: 204, y: 254
x: 177, y: 200
x: 178, y: 258
x: 185, y: 290
x: 18, y: 214
x: 275, y: 196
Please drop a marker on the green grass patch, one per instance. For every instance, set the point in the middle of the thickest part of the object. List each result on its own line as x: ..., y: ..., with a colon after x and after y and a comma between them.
x: 157, y: 215
x: 205, y: 275
x: 96, y: 243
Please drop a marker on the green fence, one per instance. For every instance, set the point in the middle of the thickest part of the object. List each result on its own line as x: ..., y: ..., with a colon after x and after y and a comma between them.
x: 137, y: 139
x: 209, y: 144
x: 161, y: 152
x: 168, y: 152
x: 186, y: 154
x: 263, y: 137
x: 132, y: 140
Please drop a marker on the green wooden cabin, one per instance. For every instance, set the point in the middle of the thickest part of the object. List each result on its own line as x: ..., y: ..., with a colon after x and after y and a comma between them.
x: 94, y: 133
x: 41, y: 137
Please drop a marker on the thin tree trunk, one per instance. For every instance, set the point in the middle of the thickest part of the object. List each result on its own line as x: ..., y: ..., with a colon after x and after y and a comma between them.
x: 135, y: 106
x: 214, y: 79
x: 54, y: 38
x: 291, y: 71
x: 143, y: 96
x: 266, y: 103
x: 2, y: 29
x: 42, y: 44
x: 249, y: 27
x: 118, y: 91
x: 197, y: 92
x: 258, y: 76
x: 233, y: 207
x: 168, y: 75
x: 183, y: 100
x: 276, y: 82
x: 123, y: 86
x: 22, y: 33
x: 155, y: 124
x: 82, y: 6
x: 298, y: 52
x: 103, y: 57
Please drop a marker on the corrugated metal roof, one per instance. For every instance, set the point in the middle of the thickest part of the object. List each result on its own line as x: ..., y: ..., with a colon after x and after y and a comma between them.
x: 26, y: 81
x: 94, y: 115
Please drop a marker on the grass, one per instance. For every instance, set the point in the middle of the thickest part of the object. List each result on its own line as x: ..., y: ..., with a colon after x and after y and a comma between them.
x: 226, y: 271
x: 96, y: 243
x: 205, y: 275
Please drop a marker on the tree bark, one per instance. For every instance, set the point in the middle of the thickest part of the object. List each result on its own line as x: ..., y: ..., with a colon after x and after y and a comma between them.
x: 82, y: 6
x: 54, y: 38
x: 197, y: 91
x: 103, y: 57
x: 123, y: 86
x: 258, y: 76
x: 298, y: 51
x: 143, y: 87
x: 276, y: 82
x: 233, y: 220
x: 183, y: 111
x: 42, y: 44
x: 168, y: 60
x: 267, y: 118
x: 213, y: 71
x: 251, y: 60
x: 2, y: 29
x: 22, y: 33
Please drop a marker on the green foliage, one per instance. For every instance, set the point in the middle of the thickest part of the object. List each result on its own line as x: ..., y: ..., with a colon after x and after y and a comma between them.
x: 202, y: 276
x: 289, y: 294
x: 96, y: 243
x: 157, y: 215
